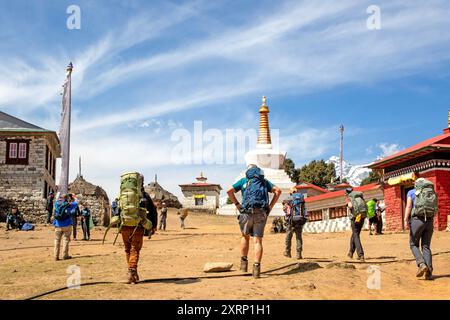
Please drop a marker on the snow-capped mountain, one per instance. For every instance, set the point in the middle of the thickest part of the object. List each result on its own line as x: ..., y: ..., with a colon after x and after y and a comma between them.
x: 354, y: 174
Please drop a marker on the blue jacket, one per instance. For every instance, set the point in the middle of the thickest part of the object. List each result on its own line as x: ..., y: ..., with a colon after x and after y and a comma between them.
x: 61, y: 223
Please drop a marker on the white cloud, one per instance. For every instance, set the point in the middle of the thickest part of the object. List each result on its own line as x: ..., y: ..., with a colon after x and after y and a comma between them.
x: 389, y: 149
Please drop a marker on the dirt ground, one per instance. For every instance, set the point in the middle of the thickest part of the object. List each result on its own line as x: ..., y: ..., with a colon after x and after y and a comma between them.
x: 27, y: 267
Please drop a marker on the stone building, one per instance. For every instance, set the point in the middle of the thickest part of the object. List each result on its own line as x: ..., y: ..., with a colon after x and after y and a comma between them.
x: 28, y: 156
x: 429, y: 159
x: 201, y: 196
x: 95, y: 197
x: 160, y: 195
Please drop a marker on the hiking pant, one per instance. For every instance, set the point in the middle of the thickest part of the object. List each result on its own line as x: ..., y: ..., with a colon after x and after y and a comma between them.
x: 63, y: 232
x: 420, y: 233
x: 182, y: 222
x: 133, y: 239
x: 355, y: 240
x: 74, y: 225
x: 380, y: 224
x: 290, y: 230
x: 85, y: 227
x: 162, y: 221
x: 49, y: 216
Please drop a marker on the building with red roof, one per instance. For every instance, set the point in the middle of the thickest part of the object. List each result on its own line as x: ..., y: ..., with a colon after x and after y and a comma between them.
x: 201, y: 196
x: 429, y: 159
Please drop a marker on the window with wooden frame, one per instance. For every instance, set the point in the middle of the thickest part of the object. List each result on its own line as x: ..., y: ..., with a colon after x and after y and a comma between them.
x: 17, y: 152
x: 47, y: 156
x: 338, y: 212
x: 315, y: 215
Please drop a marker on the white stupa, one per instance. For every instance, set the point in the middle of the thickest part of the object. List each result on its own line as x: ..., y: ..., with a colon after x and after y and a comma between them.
x: 268, y: 159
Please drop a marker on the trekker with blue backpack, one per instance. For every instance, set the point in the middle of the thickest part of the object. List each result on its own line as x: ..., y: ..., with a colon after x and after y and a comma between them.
x: 421, y: 208
x: 296, y: 217
x: 63, y: 226
x: 254, y: 210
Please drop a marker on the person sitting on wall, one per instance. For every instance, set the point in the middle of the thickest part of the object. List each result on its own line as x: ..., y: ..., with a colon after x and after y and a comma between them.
x: 14, y: 219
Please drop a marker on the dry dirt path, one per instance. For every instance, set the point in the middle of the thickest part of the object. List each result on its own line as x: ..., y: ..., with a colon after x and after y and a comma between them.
x: 27, y: 267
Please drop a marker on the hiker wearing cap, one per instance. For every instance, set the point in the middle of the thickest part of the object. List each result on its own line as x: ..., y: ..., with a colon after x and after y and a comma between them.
x: 421, y: 208
x: 372, y: 215
x: 163, y: 219
x: 254, y: 210
x: 296, y: 217
x: 358, y: 213
x: 62, y: 221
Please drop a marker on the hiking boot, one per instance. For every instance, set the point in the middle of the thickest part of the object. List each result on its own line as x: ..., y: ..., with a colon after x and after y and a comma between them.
x: 361, y: 259
x: 299, y: 256
x: 244, y: 265
x: 350, y: 255
x: 428, y: 276
x: 256, y: 270
x: 135, y: 276
x: 67, y: 258
x: 57, y: 259
x: 287, y: 254
x: 422, y: 270
x: 130, y: 277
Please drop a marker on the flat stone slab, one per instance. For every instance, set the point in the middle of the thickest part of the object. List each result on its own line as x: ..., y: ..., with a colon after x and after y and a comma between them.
x: 217, y: 267
x: 340, y: 265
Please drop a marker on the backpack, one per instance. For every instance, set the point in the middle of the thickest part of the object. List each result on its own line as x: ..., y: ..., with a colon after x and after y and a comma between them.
x: 27, y: 227
x: 129, y: 206
x: 62, y: 211
x: 358, y: 203
x: 255, y: 195
x: 298, y: 214
x: 131, y: 213
x: 426, y: 203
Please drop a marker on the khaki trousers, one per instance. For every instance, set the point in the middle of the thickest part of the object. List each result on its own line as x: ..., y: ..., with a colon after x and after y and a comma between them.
x: 63, y: 232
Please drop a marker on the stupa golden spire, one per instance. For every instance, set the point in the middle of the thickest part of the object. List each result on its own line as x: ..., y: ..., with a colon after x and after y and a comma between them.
x: 264, y: 130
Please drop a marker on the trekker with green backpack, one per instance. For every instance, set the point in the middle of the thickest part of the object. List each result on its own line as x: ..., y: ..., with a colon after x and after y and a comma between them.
x: 133, y: 220
x: 358, y: 213
x: 421, y: 208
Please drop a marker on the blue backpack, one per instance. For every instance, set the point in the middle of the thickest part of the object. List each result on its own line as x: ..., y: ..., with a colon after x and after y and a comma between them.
x: 27, y: 227
x: 61, y: 211
x: 256, y: 195
x: 298, y: 215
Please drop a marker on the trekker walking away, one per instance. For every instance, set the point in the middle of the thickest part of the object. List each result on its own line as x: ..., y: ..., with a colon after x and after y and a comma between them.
x: 85, y: 222
x: 50, y: 201
x: 379, y: 211
x: 372, y: 215
x: 63, y: 226
x: 254, y: 211
x: 421, y: 207
x: 358, y: 213
x: 133, y: 220
x: 183, y: 213
x: 296, y: 217
x: 163, y: 221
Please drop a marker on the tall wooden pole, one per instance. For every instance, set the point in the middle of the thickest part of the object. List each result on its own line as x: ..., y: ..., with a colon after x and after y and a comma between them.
x: 341, y: 154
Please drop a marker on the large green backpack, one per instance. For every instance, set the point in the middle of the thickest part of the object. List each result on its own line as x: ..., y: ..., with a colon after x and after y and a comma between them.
x: 129, y: 198
x: 358, y: 203
x: 131, y: 213
x: 426, y: 203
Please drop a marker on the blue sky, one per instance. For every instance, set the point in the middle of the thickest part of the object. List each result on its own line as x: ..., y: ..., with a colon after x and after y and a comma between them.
x: 143, y: 69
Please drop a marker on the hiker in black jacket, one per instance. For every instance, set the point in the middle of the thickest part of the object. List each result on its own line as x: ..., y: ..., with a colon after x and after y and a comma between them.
x: 152, y: 213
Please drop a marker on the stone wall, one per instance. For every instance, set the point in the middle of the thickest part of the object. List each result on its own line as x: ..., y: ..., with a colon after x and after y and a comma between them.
x: 24, y: 185
x: 100, y: 209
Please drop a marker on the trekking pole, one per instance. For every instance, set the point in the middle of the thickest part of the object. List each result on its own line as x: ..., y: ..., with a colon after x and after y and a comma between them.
x: 117, y: 235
